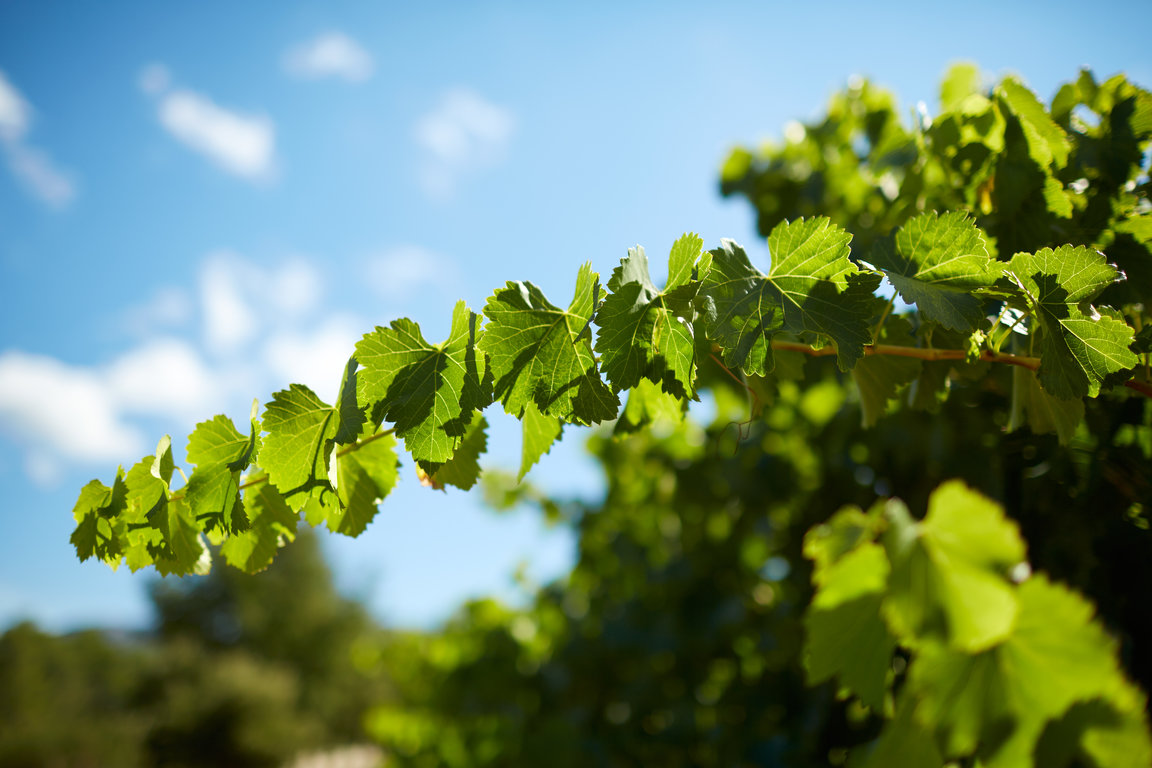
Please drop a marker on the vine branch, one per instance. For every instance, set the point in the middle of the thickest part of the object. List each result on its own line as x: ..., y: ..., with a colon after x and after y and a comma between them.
x: 920, y: 353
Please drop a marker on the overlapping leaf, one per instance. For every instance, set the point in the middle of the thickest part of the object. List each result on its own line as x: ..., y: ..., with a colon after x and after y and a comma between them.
x: 296, y: 452
x: 542, y: 354
x: 1043, y: 413
x: 949, y: 572
x: 648, y: 404
x: 220, y: 453
x: 364, y: 476
x: 995, y: 704
x: 1047, y: 142
x: 645, y: 332
x: 97, y: 512
x: 538, y: 433
x: 463, y: 469
x: 428, y: 391
x: 157, y: 529
x: 847, y: 637
x: 272, y: 523
x: 812, y: 287
x: 1080, y: 346
x: 936, y: 262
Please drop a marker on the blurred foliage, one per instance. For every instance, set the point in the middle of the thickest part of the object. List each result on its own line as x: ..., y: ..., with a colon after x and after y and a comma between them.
x: 240, y: 671
x: 679, y: 638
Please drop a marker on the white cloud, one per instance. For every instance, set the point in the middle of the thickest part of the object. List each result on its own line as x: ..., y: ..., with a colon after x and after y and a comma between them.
x: 239, y: 299
x: 463, y: 133
x: 262, y: 331
x: 294, y: 288
x: 164, y: 377
x: 168, y: 308
x: 244, y: 145
x: 314, y: 358
x: 15, y: 114
x: 333, y: 54
x: 396, y: 273
x: 154, y: 79
x: 33, y: 167
x: 229, y: 320
x: 43, y: 179
x: 61, y: 410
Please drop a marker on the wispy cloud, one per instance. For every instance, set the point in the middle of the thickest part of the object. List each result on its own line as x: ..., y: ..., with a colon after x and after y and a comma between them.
x: 33, y: 167
x: 332, y: 54
x: 15, y: 113
x: 241, y: 144
x: 464, y: 133
x: 266, y: 332
x: 397, y: 272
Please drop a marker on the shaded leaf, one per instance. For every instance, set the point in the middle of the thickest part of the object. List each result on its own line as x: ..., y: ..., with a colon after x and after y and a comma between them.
x: 542, y: 354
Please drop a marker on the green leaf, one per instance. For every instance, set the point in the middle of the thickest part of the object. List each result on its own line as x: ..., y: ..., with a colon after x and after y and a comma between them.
x: 995, y: 704
x: 646, y: 333
x: 364, y: 476
x: 961, y: 81
x: 1047, y: 142
x: 878, y: 377
x: 429, y: 392
x: 184, y: 551
x: 1079, y: 346
x: 542, y: 354
x: 846, y: 636
x: 936, y: 262
x: 272, y: 523
x: 463, y: 469
x: 904, y: 743
x: 301, y: 428
x: 812, y: 287
x: 350, y: 412
x: 213, y: 495
x: 848, y: 529
x: 220, y: 453
x: 217, y: 441
x: 538, y: 433
x: 95, y: 510
x: 1040, y: 411
x: 949, y: 572
x: 648, y: 404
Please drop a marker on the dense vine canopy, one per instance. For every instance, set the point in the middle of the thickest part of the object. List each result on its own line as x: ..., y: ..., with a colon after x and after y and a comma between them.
x: 1002, y: 243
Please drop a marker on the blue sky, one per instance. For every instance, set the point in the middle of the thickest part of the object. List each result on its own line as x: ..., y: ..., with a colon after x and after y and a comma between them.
x: 203, y: 202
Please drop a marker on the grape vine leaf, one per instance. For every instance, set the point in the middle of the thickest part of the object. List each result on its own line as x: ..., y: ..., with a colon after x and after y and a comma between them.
x: 463, y: 469
x: 220, y: 453
x: 159, y: 530
x: 1047, y: 142
x: 995, y: 703
x: 878, y: 378
x: 1080, y: 346
x: 936, y: 262
x: 846, y: 636
x: 296, y: 452
x: 904, y: 742
x: 351, y: 414
x: 648, y: 404
x: 96, y: 512
x: 540, y: 353
x: 364, y: 476
x: 645, y: 332
x: 949, y: 571
x: 812, y: 287
x: 538, y: 433
x: 272, y: 523
x: 429, y: 392
x: 1043, y: 413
